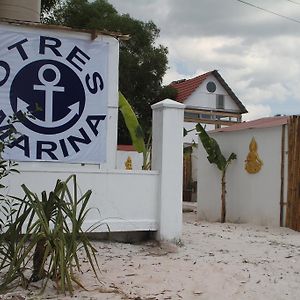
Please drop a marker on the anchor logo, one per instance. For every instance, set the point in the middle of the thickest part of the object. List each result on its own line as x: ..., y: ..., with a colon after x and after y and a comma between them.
x: 52, y: 92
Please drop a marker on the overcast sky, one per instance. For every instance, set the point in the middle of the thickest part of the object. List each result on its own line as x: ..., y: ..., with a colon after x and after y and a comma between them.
x: 257, y: 53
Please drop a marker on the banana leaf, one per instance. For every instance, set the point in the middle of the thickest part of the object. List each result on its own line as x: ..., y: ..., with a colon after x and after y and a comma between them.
x: 132, y: 123
x: 212, y: 148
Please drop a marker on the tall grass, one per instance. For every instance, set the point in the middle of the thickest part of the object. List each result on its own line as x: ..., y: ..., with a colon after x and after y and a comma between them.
x: 45, y: 233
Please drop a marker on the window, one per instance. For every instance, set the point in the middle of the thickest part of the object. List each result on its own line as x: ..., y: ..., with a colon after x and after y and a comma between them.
x: 190, y: 115
x: 195, y: 116
x: 205, y: 116
x: 220, y: 102
x: 211, y: 87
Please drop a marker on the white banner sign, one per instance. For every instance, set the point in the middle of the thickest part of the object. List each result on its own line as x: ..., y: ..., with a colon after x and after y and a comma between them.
x: 62, y: 83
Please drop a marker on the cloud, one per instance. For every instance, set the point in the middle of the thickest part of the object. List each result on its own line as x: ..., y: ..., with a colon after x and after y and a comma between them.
x: 257, y: 53
x: 227, y: 18
x: 257, y: 112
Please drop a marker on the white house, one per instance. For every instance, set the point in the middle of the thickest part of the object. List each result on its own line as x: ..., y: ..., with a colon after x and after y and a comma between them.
x: 208, y: 100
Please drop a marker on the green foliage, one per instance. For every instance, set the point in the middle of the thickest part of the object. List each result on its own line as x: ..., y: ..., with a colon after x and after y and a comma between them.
x: 7, y: 206
x: 7, y: 134
x: 136, y: 132
x: 48, y: 8
x: 46, y: 231
x: 167, y: 92
x: 212, y: 148
x: 47, y: 5
x: 132, y: 124
x: 143, y: 62
x: 215, y: 156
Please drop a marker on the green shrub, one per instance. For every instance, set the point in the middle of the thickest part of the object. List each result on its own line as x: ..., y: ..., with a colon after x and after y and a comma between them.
x: 46, y: 232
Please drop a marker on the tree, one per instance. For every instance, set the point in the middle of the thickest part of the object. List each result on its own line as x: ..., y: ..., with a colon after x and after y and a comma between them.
x: 47, y: 5
x: 47, y: 8
x: 216, y: 157
x: 142, y: 63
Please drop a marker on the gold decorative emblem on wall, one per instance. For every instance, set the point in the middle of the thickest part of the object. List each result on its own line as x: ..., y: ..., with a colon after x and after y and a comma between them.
x: 253, y: 163
x: 128, y: 163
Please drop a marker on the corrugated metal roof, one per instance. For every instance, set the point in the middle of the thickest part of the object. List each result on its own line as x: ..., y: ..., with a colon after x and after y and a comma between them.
x: 186, y: 87
x: 259, y: 123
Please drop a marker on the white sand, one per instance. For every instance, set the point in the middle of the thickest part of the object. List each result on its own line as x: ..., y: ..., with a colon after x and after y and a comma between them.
x: 216, y: 261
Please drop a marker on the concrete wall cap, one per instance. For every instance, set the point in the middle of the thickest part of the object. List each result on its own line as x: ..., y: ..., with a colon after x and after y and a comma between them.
x: 168, y: 103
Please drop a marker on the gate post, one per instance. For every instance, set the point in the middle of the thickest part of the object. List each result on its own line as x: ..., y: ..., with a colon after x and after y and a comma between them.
x: 167, y: 158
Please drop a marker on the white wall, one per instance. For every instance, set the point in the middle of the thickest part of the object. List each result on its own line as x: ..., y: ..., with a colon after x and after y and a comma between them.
x: 127, y: 200
x: 137, y: 159
x: 251, y: 198
x: 203, y: 99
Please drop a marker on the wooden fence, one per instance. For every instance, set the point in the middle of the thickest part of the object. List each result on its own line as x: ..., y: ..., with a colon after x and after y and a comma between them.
x: 187, y: 177
x: 293, y: 199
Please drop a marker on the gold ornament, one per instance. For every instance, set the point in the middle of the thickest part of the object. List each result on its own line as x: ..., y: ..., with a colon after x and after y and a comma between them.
x: 128, y: 163
x: 253, y: 163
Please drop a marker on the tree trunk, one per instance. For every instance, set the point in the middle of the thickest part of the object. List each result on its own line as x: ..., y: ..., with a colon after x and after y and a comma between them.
x: 223, y: 198
x: 38, y: 271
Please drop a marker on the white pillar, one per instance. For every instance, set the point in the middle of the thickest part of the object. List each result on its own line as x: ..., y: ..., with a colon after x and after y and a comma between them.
x: 22, y: 10
x: 167, y: 158
x: 113, y: 106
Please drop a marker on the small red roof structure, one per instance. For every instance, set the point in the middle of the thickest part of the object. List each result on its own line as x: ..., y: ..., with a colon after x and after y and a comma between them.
x: 259, y: 123
x: 125, y: 148
x: 185, y: 87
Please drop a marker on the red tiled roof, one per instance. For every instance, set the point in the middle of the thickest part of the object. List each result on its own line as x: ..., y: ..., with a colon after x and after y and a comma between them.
x: 186, y: 87
x: 259, y: 123
x: 125, y: 148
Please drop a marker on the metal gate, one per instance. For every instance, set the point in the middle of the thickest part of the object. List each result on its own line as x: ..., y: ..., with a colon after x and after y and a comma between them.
x: 293, y: 198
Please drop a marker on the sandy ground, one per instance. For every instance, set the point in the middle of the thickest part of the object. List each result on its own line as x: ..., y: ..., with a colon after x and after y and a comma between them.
x: 215, y: 261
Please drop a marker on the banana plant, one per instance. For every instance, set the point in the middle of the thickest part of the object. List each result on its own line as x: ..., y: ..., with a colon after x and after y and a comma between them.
x: 216, y: 157
x: 135, y: 131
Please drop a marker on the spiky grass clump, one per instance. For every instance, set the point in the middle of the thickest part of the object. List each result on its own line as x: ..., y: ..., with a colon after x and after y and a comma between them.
x: 46, y: 232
